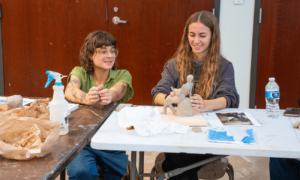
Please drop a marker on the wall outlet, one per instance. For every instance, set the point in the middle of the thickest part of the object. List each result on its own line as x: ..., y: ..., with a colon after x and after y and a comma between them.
x: 238, y: 1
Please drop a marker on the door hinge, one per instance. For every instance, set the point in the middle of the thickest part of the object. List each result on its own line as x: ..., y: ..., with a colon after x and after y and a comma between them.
x: 260, y: 11
x: 106, y: 14
x: 213, y: 11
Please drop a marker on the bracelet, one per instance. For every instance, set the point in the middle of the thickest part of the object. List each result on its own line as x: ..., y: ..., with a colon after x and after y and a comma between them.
x: 166, y: 96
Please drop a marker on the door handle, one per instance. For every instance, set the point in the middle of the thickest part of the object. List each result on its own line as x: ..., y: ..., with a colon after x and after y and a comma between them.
x: 116, y: 20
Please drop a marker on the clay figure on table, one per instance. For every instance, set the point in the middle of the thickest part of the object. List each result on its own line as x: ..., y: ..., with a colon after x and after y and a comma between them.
x: 214, y: 85
x: 184, y: 107
x: 98, y: 82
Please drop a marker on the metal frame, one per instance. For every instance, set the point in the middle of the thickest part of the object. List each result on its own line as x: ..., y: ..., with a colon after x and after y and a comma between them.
x: 165, y: 175
x: 1, y: 58
x: 254, y: 58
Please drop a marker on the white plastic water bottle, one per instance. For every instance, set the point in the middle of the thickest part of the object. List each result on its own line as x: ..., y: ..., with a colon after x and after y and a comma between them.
x: 272, y: 96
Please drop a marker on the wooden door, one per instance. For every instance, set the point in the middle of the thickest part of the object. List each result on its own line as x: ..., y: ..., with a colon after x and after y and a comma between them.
x: 279, y: 51
x: 40, y: 35
x: 149, y: 38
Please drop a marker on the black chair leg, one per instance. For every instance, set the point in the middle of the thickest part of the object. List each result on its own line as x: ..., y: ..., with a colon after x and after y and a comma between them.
x: 153, y: 171
x: 230, y: 171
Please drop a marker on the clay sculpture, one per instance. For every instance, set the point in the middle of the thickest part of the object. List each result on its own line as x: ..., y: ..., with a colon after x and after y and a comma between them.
x: 15, y: 101
x: 184, y: 107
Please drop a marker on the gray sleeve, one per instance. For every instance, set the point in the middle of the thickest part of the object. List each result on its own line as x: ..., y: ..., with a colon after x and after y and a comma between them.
x: 226, y: 87
x: 170, y: 78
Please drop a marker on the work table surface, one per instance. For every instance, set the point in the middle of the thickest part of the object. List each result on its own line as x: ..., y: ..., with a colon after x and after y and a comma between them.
x: 83, y: 124
x: 275, y: 138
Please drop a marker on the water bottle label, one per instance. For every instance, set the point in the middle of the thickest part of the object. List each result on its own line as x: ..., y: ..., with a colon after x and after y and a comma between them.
x: 272, y: 94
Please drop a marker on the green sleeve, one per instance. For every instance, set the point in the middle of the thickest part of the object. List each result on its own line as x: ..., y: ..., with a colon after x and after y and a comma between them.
x: 125, y: 77
x: 78, y: 72
x: 86, y: 80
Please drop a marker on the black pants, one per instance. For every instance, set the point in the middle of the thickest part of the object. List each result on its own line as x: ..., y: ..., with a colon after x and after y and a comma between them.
x: 284, y: 169
x: 178, y: 160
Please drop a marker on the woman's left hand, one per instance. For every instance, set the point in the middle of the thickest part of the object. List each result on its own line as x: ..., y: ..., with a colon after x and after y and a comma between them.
x: 105, y: 96
x: 197, y: 102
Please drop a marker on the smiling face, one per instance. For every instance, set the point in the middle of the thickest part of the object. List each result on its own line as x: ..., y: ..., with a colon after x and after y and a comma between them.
x: 104, y: 57
x: 199, y: 37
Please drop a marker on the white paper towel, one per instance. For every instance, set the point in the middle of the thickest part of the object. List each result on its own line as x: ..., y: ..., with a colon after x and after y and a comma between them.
x: 147, y: 121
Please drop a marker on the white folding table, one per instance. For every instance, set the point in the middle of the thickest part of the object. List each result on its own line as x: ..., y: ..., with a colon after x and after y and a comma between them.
x: 275, y: 138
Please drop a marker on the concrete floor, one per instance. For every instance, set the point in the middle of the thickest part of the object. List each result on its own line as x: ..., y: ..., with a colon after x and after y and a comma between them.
x: 245, y: 167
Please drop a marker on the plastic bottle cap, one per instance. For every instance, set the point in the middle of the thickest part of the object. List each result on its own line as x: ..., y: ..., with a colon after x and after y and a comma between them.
x: 271, y: 79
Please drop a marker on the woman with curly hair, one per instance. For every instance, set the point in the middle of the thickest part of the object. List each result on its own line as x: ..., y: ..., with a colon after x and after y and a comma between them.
x: 98, y: 81
x: 214, y: 85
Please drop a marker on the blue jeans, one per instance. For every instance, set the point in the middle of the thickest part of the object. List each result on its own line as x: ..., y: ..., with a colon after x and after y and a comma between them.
x: 284, y: 169
x: 113, y: 164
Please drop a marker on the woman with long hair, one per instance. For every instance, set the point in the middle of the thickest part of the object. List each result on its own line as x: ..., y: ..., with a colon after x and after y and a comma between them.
x: 98, y: 82
x: 214, y: 85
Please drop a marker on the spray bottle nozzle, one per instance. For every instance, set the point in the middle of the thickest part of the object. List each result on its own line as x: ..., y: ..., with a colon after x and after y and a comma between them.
x: 54, y: 75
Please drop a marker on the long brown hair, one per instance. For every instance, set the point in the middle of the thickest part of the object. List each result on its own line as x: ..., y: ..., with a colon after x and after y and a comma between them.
x: 185, y: 57
x: 93, y: 41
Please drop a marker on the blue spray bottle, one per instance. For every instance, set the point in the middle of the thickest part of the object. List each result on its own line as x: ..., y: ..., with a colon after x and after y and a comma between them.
x: 58, y: 105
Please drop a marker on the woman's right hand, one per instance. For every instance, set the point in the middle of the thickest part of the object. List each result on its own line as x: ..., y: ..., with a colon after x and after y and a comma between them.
x: 172, y: 94
x: 93, y: 95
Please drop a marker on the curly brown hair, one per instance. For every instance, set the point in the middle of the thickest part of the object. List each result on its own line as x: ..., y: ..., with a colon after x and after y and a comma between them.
x: 211, y: 64
x: 93, y: 41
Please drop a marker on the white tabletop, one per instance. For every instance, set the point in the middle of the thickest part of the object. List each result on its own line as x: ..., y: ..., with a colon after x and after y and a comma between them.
x: 275, y: 138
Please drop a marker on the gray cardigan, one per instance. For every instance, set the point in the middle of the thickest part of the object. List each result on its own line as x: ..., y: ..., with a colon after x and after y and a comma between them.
x: 224, y: 85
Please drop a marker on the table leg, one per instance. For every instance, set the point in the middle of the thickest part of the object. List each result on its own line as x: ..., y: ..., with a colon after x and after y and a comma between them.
x: 63, y: 175
x: 141, y: 165
x: 133, y: 165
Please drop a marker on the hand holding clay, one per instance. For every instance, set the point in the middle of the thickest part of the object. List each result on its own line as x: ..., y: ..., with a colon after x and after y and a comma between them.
x: 197, y: 102
x: 297, y: 125
x: 15, y: 101
x: 175, y: 91
x: 172, y: 93
x: 184, y: 108
x: 93, y: 95
x: 105, y: 96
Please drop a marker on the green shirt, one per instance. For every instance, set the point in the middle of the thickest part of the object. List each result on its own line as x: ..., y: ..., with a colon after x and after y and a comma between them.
x: 115, y: 76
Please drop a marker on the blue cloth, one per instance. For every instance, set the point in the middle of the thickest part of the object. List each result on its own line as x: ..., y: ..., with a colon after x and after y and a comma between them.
x: 113, y: 164
x: 284, y: 169
x: 214, y: 135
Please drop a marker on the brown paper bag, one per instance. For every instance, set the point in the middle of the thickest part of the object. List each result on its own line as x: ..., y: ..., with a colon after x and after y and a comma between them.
x: 26, y: 133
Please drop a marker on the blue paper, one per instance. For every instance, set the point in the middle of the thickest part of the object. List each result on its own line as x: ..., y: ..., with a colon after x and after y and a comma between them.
x: 221, y: 136
x: 250, y: 138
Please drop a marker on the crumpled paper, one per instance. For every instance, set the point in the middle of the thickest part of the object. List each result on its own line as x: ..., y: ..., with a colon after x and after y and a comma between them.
x: 147, y: 121
x: 27, y: 132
